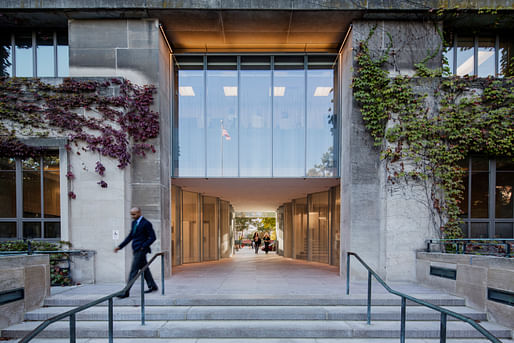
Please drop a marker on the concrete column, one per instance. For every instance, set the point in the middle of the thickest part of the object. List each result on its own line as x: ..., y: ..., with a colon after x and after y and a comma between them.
x: 135, y: 50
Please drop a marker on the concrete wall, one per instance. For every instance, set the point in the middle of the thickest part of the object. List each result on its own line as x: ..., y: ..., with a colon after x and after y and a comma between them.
x: 377, y: 220
x: 474, y: 275
x: 32, y: 273
x: 132, y: 49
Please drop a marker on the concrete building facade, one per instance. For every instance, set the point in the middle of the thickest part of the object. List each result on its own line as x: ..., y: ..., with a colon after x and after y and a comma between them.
x: 171, y: 44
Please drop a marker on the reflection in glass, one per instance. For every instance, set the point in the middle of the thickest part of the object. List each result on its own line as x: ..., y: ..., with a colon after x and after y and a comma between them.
x: 23, y: 50
x: 448, y: 57
x: 191, y: 123
x: 31, y: 194
x: 289, y: 235
x: 465, y: 56
x: 52, y: 230
x: 505, y: 164
x: 321, y: 123
x: 319, y: 227
x: 289, y: 123
x: 51, y: 161
x: 464, y: 229
x: 479, y: 195
x: 175, y: 225
x: 222, y: 137
x: 335, y: 232
x: 255, y: 123
x: 31, y: 164
x: 32, y: 230
x: 503, y: 230
x: 190, y: 227
x: 486, y: 47
x: 225, y: 233
x: 479, y: 230
x: 7, y: 230
x: 5, y: 55
x: 210, y: 229
x: 63, y: 59
x: 52, y: 194
x: 503, y: 198
x: 300, y: 228
x: 45, y: 54
x: 479, y: 164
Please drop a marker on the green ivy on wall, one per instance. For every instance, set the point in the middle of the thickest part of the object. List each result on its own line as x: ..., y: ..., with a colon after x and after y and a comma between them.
x: 469, y: 116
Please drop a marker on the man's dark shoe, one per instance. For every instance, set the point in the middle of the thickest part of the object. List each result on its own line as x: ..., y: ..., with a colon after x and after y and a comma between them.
x: 123, y: 296
x: 153, y: 289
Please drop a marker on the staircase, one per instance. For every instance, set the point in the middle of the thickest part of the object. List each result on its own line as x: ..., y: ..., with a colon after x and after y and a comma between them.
x: 238, y: 318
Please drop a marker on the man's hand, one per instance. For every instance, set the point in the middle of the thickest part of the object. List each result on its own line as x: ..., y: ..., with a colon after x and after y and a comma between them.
x: 116, y: 249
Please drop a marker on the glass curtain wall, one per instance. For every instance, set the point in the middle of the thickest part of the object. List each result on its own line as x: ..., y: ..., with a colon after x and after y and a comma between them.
x: 255, y: 116
x: 311, y: 227
x: 192, y: 242
x: 210, y: 229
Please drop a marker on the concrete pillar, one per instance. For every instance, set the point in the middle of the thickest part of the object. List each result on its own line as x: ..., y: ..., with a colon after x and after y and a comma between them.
x: 133, y: 49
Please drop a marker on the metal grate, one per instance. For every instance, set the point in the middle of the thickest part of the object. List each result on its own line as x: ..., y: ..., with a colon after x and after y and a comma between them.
x: 443, y: 272
x: 499, y: 296
x: 11, y: 295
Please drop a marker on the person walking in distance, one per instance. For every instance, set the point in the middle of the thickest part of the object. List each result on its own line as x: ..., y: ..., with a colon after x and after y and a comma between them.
x: 142, y: 236
x: 267, y: 241
x: 256, y: 241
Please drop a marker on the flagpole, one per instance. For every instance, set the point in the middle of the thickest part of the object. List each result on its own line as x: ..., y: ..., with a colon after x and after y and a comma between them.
x: 221, y: 137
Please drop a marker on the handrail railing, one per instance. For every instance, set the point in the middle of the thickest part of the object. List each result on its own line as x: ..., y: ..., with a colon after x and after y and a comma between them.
x: 404, y: 297
x: 462, y: 243
x: 71, y: 313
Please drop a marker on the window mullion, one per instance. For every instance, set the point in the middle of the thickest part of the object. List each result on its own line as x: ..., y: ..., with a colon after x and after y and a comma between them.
x: 13, y: 54
x: 42, y: 196
x: 56, y: 60
x: 492, y: 198
x: 34, y: 54
x: 19, y: 199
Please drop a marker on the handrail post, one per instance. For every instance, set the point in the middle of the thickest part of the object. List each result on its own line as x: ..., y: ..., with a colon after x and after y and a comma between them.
x: 442, y: 333
x: 162, y: 274
x: 402, y: 321
x: 142, y: 299
x: 428, y: 245
x: 369, y: 298
x: 111, y: 326
x: 507, y: 249
x: 73, y: 329
x: 347, y: 273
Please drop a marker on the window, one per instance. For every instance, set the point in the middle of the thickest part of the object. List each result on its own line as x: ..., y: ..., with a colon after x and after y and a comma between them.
x: 30, y: 197
x: 255, y: 116
x: 487, y: 207
x: 482, y: 56
x: 34, y: 54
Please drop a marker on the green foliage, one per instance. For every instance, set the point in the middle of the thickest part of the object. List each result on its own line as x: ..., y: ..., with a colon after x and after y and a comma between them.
x: 427, y: 145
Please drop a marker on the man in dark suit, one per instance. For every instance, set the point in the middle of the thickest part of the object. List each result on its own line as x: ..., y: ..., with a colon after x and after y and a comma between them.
x: 142, y: 236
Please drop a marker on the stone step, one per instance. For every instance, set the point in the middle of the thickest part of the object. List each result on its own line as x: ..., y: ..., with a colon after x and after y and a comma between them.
x: 159, y: 313
x: 264, y: 329
x: 259, y: 340
x: 155, y: 299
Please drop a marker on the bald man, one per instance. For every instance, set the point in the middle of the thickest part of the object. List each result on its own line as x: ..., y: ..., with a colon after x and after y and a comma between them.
x: 142, y: 236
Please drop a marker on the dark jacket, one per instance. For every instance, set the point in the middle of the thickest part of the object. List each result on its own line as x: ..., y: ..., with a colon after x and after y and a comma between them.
x: 142, y: 238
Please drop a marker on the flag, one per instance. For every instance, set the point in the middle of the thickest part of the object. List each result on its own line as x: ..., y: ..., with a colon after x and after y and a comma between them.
x: 225, y: 134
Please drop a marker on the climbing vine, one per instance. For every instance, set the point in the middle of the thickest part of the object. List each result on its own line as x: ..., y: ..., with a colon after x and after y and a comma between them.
x: 417, y: 142
x: 94, y: 119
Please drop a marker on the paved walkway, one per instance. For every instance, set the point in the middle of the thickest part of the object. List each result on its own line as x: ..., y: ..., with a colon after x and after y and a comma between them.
x: 247, y: 273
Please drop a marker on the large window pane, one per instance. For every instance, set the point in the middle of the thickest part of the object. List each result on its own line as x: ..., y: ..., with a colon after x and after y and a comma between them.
x: 321, y: 123
x: 336, y: 219
x: 191, y: 123
x: 465, y: 59
x: 24, y: 66
x: 479, y: 195
x: 255, y: 117
x: 210, y: 229
x: 45, y: 54
x: 7, y: 230
x: 479, y: 230
x: 503, y: 230
x: 52, y: 230
x: 5, y: 55
x: 289, y: 121
x: 448, y: 55
x: 32, y: 230
x: 51, y: 185
x: 504, y: 205
x: 300, y: 228
x: 190, y: 228
x: 8, y: 188
x: 319, y: 227
x: 31, y: 188
x: 63, y: 59
x: 225, y: 239
x: 486, y: 47
x: 222, y: 137
x: 175, y: 225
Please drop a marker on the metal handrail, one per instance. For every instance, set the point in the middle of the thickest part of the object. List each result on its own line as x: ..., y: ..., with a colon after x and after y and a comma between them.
x: 404, y: 297
x: 465, y: 241
x: 71, y: 313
